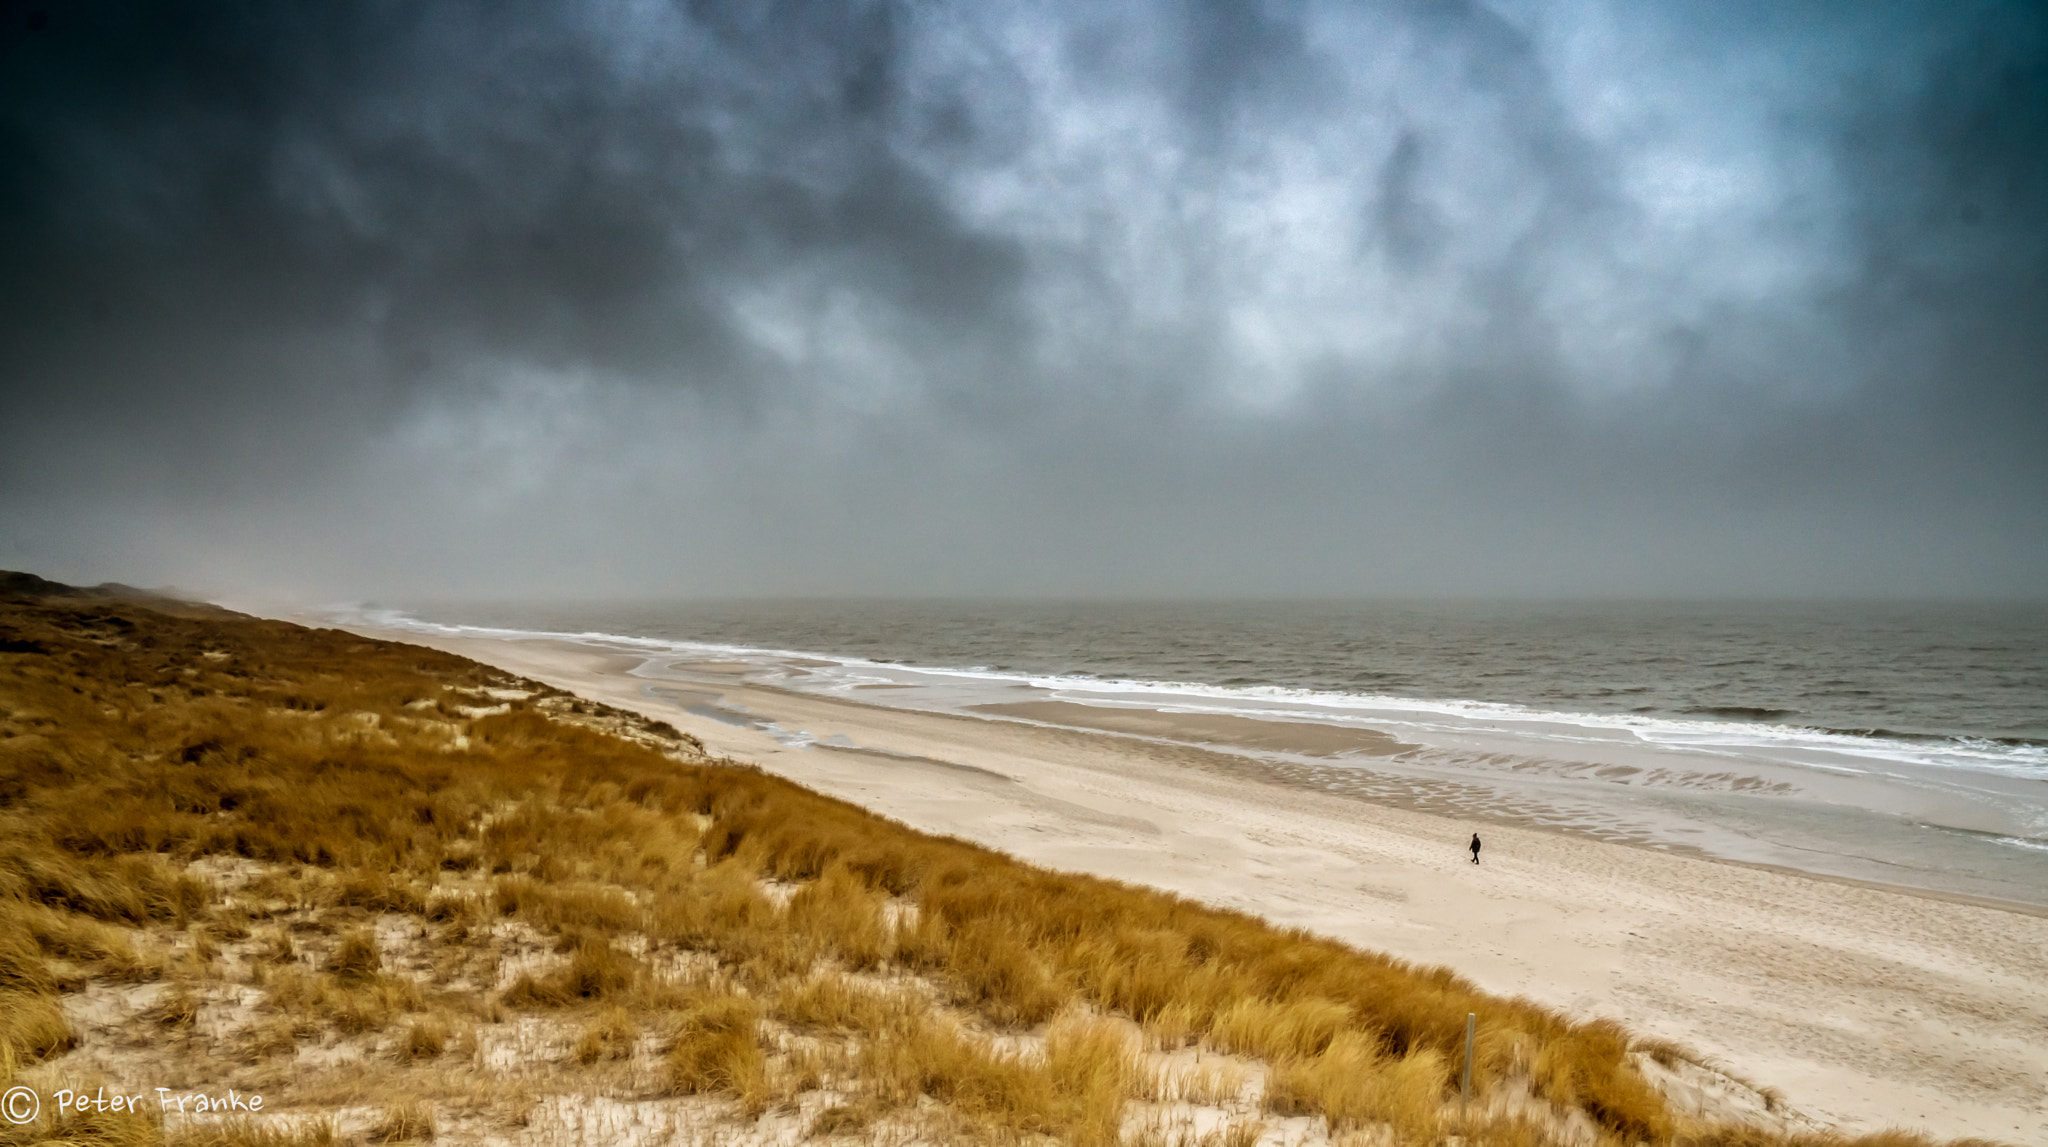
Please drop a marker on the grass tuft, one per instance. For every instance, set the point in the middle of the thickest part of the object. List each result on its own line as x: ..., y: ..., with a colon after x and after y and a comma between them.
x: 257, y: 1133
x: 407, y: 1121
x: 1587, y: 1068
x: 596, y: 972
x: 356, y: 960
x: 424, y: 1039
x: 1353, y: 1083
x: 610, y: 1035
x: 717, y: 1049
x: 32, y: 1029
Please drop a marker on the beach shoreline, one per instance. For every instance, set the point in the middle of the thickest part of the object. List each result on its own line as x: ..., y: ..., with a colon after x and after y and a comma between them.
x: 1954, y: 814
x: 1866, y: 1005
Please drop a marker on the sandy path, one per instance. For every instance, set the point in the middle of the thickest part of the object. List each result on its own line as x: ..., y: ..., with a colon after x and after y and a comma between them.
x: 1866, y: 1007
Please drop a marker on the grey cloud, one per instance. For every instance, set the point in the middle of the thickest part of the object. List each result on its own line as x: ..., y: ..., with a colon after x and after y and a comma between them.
x: 438, y: 186
x: 1405, y: 225
x: 1231, y: 297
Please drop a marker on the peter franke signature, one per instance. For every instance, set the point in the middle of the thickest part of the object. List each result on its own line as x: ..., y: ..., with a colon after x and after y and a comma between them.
x: 23, y: 1105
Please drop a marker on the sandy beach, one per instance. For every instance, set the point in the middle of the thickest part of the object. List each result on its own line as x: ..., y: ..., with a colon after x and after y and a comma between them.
x: 1865, y: 1006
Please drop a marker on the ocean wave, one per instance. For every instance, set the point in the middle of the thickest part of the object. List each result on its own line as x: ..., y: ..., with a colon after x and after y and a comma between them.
x: 1744, y: 712
x: 2010, y: 756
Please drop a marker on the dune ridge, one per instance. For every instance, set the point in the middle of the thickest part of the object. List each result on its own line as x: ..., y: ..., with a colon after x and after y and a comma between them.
x: 403, y: 895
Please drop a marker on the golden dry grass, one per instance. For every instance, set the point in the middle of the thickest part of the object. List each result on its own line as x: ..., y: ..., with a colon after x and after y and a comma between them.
x: 407, y: 1121
x: 404, y: 825
x: 610, y: 1035
x: 718, y: 1049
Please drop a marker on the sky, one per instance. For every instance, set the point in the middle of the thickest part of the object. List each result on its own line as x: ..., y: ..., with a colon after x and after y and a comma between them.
x: 637, y: 298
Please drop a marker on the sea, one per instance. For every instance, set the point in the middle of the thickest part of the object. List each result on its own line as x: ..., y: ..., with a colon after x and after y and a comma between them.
x: 1896, y: 743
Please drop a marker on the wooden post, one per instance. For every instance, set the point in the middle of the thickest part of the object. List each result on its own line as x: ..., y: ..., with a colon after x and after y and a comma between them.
x: 1471, y: 1027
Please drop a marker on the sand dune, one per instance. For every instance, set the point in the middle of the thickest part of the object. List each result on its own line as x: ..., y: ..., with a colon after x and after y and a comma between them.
x: 1865, y: 1006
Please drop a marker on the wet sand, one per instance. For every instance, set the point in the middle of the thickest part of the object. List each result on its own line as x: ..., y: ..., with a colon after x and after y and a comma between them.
x: 1206, y: 728
x: 1866, y: 1006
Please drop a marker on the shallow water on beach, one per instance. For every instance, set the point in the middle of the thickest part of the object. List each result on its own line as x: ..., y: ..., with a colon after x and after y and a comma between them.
x: 1905, y: 744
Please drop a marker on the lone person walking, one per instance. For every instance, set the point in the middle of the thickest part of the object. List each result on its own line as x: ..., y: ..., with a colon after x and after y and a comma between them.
x: 1475, y: 848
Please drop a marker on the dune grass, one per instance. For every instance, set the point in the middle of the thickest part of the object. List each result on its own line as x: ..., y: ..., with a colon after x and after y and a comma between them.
x: 369, y: 791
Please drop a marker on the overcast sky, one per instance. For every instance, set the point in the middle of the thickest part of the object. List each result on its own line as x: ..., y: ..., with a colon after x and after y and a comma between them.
x: 346, y: 299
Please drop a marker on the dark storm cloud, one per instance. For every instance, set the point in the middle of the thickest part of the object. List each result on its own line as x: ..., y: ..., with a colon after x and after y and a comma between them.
x: 1954, y: 227
x: 427, y: 186
x: 1397, y: 296
x: 1403, y: 224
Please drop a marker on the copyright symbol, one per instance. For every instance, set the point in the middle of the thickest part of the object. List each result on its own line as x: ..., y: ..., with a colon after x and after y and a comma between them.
x: 20, y: 1105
